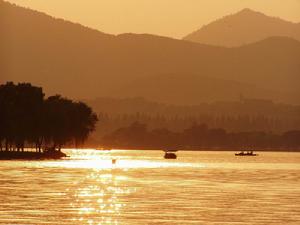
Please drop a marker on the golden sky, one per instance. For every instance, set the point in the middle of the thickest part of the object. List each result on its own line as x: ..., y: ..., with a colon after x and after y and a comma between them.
x: 173, y: 18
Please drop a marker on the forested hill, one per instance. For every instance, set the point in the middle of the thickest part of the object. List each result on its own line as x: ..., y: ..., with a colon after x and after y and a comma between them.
x: 80, y: 62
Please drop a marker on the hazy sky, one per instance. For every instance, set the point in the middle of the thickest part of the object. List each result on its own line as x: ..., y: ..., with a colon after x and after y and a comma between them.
x: 174, y: 18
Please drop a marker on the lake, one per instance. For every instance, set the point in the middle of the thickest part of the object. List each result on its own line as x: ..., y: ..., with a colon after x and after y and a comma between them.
x: 143, y: 188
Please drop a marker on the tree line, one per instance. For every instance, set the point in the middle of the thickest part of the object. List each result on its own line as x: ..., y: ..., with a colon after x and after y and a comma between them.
x: 198, y: 136
x: 177, y: 123
x: 234, y: 116
x: 27, y: 118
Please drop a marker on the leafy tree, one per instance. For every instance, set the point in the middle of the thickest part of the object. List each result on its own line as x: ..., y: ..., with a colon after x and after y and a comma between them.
x: 26, y: 117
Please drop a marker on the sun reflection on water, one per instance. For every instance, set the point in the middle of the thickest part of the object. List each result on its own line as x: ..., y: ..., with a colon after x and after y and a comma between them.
x: 100, y: 196
x: 99, y: 202
x: 105, y: 160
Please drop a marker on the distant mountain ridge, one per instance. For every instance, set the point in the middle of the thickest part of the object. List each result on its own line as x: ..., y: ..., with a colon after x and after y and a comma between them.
x: 244, y: 27
x: 177, y: 86
x: 243, y: 106
x: 80, y: 62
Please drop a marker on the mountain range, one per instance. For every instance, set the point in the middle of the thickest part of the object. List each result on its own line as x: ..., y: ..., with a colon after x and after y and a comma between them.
x: 76, y: 61
x: 244, y: 27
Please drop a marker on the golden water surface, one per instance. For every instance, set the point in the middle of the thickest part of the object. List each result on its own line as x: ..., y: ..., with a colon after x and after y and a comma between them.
x: 144, y: 188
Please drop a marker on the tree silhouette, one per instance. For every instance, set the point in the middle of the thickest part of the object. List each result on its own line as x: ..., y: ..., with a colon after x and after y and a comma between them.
x: 197, y: 136
x: 27, y: 118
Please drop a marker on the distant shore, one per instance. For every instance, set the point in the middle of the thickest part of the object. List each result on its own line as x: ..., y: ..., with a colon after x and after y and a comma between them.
x: 27, y: 155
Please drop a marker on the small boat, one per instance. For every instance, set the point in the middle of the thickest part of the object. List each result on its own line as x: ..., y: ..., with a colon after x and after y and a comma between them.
x: 170, y: 154
x: 246, y: 154
x: 114, y: 161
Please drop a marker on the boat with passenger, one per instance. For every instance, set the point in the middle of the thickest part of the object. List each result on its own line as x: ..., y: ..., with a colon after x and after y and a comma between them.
x: 247, y: 153
x: 169, y: 154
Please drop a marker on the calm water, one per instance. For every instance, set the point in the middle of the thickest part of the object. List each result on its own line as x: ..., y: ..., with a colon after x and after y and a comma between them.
x: 143, y: 188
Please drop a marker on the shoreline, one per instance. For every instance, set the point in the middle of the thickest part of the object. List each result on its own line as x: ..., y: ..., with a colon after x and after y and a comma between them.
x: 56, y: 155
x: 26, y: 155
